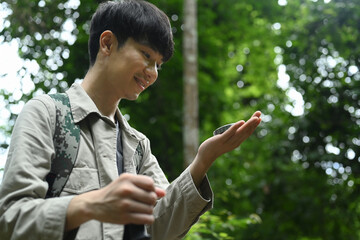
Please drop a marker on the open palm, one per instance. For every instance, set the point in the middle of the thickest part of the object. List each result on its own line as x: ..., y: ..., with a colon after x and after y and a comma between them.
x: 217, y: 145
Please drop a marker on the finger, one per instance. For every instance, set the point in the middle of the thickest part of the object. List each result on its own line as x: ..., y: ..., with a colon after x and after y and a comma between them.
x: 137, y: 187
x: 234, y: 127
x: 139, y: 218
x: 133, y: 206
x: 143, y: 182
x: 256, y: 114
x: 239, y: 123
x: 250, y: 125
x: 145, y: 197
x: 150, y: 197
x: 228, y: 134
x: 159, y: 192
x: 247, y: 129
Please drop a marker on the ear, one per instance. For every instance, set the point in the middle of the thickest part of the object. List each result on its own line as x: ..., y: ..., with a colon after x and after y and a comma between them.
x: 107, y: 42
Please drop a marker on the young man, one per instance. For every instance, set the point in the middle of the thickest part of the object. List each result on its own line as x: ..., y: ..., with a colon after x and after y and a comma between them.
x: 129, y: 40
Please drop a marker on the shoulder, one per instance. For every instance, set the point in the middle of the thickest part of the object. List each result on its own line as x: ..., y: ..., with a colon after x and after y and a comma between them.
x: 39, y: 111
x: 42, y: 104
x: 138, y: 134
x: 42, y: 101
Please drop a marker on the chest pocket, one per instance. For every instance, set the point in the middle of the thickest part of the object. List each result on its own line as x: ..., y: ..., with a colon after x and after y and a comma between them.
x: 82, y: 180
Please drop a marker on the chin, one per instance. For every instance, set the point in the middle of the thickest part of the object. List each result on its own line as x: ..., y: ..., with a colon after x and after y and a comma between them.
x: 132, y: 98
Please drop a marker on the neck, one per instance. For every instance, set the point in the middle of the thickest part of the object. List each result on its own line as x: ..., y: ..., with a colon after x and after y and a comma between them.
x: 98, y: 91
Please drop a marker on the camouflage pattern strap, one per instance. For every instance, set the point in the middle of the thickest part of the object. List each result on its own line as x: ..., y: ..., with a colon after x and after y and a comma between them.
x: 66, y: 143
x: 138, y: 157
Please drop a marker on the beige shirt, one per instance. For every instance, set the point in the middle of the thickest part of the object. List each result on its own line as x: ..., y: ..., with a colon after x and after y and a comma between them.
x: 25, y: 214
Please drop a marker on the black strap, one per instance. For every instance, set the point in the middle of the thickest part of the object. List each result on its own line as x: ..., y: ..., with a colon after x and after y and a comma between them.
x: 131, y: 231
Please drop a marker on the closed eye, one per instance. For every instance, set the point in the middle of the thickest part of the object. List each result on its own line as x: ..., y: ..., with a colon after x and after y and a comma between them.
x: 147, y: 55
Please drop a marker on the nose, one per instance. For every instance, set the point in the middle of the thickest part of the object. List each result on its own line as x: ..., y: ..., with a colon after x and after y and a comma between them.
x: 151, y: 72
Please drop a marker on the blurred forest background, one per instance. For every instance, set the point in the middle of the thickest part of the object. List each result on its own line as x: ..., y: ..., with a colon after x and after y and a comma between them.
x: 298, y: 176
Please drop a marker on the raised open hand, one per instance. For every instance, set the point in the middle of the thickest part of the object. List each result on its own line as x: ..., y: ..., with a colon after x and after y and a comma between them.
x: 229, y: 140
x: 217, y: 145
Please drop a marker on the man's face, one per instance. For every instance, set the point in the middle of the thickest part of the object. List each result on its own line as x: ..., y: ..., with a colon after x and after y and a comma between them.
x: 132, y: 68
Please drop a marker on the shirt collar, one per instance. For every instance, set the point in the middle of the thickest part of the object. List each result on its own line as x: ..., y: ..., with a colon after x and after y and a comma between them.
x: 82, y: 105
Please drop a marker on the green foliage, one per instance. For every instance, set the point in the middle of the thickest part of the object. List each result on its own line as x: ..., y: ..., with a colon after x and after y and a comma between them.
x: 221, y: 226
x: 297, y: 177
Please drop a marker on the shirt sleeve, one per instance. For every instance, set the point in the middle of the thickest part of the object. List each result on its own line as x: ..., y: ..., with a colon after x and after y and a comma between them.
x: 183, y: 203
x: 24, y: 213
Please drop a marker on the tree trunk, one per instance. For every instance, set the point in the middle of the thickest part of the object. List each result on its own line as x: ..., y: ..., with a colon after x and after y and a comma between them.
x: 191, y: 118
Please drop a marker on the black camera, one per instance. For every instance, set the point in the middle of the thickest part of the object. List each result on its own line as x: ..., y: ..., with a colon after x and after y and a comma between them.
x: 136, y: 232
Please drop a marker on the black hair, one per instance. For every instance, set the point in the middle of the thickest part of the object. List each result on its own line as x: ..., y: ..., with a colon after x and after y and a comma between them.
x: 136, y: 19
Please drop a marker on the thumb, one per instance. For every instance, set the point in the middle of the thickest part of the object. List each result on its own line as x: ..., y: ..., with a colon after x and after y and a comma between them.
x: 160, y: 192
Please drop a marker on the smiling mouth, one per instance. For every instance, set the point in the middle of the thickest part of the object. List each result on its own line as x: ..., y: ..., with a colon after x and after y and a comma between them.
x: 141, y: 82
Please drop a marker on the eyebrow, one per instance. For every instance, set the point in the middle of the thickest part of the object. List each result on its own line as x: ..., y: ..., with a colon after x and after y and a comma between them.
x: 151, y: 55
x: 147, y: 44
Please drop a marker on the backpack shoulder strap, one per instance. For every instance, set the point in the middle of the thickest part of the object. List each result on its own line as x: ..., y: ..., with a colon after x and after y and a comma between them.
x: 138, y: 157
x: 66, y: 143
